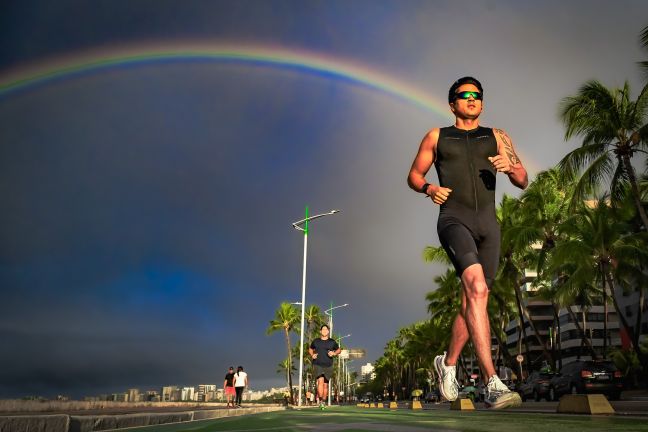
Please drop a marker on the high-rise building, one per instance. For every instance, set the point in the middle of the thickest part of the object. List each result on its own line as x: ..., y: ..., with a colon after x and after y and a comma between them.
x: 167, y: 393
x: 133, y: 395
x: 367, y: 372
x: 206, y: 392
x: 187, y: 394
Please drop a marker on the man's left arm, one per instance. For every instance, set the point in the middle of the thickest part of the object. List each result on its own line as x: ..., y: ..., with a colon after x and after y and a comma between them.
x: 338, y: 350
x: 507, y: 161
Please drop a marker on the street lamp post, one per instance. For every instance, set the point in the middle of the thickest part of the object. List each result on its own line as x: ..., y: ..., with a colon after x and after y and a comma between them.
x: 329, y: 312
x: 297, y: 226
x: 340, y: 382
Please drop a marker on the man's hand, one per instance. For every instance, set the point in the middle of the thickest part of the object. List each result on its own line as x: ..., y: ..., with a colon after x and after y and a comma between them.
x: 438, y: 194
x: 314, y: 356
x: 501, y: 163
x: 331, y: 353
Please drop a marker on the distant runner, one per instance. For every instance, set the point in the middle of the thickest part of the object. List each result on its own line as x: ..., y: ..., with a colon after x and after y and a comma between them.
x: 322, y: 350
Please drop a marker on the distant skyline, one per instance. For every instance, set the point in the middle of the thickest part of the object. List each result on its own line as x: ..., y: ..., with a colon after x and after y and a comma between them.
x: 145, y: 236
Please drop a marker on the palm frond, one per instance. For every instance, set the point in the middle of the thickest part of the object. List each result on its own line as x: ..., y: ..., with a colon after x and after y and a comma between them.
x: 574, y: 161
x: 599, y: 169
x: 436, y: 254
x: 619, y: 184
x: 643, y: 38
x: 593, y: 108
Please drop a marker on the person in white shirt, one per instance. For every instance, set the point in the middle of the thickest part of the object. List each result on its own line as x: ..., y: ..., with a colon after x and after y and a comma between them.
x: 240, y: 382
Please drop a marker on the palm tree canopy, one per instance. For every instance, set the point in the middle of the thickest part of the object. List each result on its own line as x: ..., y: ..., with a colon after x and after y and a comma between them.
x: 613, y: 128
x: 643, y: 38
x: 286, y: 318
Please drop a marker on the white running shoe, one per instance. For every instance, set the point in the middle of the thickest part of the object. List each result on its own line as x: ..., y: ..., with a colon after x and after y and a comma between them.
x: 448, y: 385
x: 499, y: 396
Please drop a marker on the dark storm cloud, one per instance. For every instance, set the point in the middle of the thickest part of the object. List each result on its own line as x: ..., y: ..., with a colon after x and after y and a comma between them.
x: 145, y: 234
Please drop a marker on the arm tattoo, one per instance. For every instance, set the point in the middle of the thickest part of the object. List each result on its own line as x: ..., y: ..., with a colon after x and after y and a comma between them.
x: 508, y: 147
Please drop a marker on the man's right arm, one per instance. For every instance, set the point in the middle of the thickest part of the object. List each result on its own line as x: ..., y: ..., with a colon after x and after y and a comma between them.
x: 311, y: 351
x: 422, y: 163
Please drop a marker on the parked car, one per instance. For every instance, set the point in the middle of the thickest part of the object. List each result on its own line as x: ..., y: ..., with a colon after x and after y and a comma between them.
x: 469, y: 392
x: 433, y: 396
x: 536, y: 386
x: 587, y: 376
x: 367, y: 397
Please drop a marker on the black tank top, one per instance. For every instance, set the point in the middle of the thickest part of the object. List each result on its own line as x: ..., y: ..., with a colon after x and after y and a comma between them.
x: 462, y: 165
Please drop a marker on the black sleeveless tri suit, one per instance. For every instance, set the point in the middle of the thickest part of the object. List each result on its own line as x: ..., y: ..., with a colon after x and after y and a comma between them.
x: 467, y: 225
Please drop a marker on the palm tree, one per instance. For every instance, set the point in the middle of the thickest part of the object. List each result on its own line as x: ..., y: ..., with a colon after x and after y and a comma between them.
x: 286, y: 367
x: 444, y: 303
x: 643, y: 37
x: 613, y: 129
x: 501, y: 308
x: 516, y: 255
x: 286, y: 318
x: 597, y: 238
x: 544, y: 207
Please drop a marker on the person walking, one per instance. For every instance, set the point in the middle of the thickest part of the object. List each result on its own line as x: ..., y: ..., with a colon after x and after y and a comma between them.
x: 467, y: 158
x: 322, y: 350
x: 240, y: 383
x: 228, y: 387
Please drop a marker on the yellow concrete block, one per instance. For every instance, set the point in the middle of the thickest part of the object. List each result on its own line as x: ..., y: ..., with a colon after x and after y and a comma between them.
x: 393, y: 405
x: 462, y: 405
x: 416, y: 405
x: 584, y: 404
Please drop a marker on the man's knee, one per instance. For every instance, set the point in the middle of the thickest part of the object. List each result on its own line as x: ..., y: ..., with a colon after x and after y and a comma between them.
x: 478, y: 292
x: 474, y: 284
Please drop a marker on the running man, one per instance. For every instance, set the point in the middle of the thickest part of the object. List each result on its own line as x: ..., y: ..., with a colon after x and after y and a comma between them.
x: 322, y: 350
x: 467, y: 158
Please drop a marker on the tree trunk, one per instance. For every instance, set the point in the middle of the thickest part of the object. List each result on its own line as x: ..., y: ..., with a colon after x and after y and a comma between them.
x: 602, y: 269
x: 632, y: 178
x: 536, y: 334
x: 503, y: 351
x: 584, y: 339
x: 624, y: 322
x: 290, y: 389
x: 640, y: 308
x: 558, y: 343
x: 518, y: 300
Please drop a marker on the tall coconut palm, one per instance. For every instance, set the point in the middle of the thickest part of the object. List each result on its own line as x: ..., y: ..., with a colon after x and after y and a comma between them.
x: 501, y: 309
x: 613, y: 128
x: 544, y: 207
x: 597, y: 238
x: 286, y: 367
x: 286, y: 318
x: 643, y: 37
x: 444, y: 303
x: 394, y: 362
x: 515, y: 257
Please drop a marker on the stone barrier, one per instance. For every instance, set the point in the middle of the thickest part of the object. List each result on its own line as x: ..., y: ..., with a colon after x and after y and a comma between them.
x: 91, y: 423
x: 37, y: 423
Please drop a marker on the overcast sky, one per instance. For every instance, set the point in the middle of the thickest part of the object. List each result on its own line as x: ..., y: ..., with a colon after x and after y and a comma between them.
x: 145, y: 231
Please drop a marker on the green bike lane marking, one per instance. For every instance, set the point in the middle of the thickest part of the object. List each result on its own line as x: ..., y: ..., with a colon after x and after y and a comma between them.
x: 348, y: 419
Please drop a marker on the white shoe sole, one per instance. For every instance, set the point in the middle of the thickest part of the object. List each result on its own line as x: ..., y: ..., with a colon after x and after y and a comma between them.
x: 438, y: 367
x: 512, y: 400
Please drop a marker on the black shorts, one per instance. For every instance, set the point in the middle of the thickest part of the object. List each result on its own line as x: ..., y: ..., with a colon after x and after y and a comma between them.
x: 323, y: 371
x: 470, y: 237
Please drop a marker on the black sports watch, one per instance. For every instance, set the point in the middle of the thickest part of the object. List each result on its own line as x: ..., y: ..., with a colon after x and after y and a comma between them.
x: 424, y: 188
